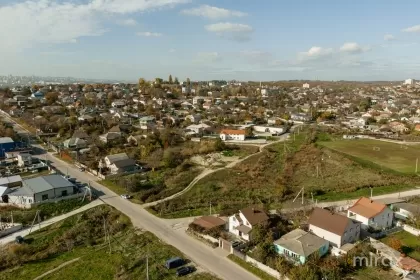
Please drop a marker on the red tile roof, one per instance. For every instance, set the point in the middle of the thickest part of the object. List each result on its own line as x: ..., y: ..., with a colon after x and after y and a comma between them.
x: 367, y: 208
x: 233, y: 131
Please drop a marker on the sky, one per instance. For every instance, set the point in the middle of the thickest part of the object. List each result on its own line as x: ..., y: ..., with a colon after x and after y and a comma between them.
x: 256, y: 40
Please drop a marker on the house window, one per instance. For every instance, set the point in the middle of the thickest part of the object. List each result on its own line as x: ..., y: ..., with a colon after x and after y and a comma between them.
x: 44, y: 196
x: 64, y: 193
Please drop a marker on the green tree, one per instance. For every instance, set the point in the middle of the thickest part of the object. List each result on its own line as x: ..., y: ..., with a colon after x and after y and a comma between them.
x: 188, y: 82
x: 142, y: 83
x: 170, y: 81
x: 176, y: 81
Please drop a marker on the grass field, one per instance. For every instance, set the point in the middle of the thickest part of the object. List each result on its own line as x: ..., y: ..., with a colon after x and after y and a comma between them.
x: 82, y: 236
x: 401, y: 158
x: 373, y: 273
x: 273, y: 179
x: 254, y: 270
x: 410, y: 243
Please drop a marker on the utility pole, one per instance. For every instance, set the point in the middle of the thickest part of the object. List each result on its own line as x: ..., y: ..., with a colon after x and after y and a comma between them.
x: 317, y: 170
x: 210, y: 208
x: 147, y: 265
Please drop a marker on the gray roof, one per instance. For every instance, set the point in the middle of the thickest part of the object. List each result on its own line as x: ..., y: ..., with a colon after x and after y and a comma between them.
x: 117, y: 157
x: 21, y: 192
x: 410, y: 207
x: 44, y: 183
x: 5, y: 140
x: 301, y: 242
x: 11, y: 179
x: 4, y: 190
x: 125, y: 163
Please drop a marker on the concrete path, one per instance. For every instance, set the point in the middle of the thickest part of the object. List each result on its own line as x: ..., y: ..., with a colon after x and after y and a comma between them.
x: 25, y: 232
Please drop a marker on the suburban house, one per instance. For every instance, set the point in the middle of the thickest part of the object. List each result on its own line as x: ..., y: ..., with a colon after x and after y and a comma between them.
x: 335, y: 228
x: 193, y: 118
x: 208, y: 223
x: 198, y: 128
x: 40, y: 189
x: 232, y: 134
x: 371, y: 213
x: 241, y: 224
x: 298, y: 245
x: 114, y: 133
x: 4, y: 191
x: 119, y: 163
x: 406, y: 210
x: 74, y: 144
x: 147, y: 122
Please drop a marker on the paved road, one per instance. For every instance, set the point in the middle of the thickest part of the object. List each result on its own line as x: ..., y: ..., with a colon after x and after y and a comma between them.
x: 49, y: 222
x: 206, y: 257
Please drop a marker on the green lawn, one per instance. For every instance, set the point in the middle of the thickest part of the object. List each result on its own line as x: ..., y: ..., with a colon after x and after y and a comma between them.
x: 82, y: 236
x: 374, y: 273
x: 401, y: 158
x: 410, y: 243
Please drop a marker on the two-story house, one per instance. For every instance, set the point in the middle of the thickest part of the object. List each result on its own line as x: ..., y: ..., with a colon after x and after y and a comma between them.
x: 371, y: 214
x: 242, y: 223
x: 335, y: 228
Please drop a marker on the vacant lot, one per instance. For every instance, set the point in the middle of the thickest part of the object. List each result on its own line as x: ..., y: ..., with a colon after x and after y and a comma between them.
x: 401, y: 158
x: 274, y: 177
x: 410, y: 243
x: 82, y: 236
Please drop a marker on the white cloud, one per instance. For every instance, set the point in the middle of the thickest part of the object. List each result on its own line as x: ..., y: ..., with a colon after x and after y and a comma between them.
x: 235, y: 31
x: 315, y: 52
x: 213, y: 12
x: 412, y: 29
x: 132, y: 6
x: 149, y: 34
x: 127, y: 22
x: 35, y: 22
x: 389, y: 37
x: 353, y: 48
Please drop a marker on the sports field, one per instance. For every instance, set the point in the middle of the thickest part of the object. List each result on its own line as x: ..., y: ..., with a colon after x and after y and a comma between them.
x: 401, y: 158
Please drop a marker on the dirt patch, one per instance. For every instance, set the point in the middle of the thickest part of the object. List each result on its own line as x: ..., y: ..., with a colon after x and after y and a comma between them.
x: 214, y: 159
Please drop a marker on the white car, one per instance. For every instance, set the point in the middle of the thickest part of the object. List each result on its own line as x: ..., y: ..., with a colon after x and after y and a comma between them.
x: 126, y: 196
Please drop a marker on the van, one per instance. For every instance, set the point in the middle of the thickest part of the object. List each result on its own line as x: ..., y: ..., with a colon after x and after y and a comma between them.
x: 174, y: 263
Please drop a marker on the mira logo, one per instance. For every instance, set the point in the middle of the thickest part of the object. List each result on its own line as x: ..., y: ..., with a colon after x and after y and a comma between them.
x: 371, y: 261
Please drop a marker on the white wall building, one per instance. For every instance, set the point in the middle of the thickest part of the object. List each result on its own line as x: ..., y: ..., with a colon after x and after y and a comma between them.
x: 306, y: 85
x: 409, y: 82
x: 371, y: 214
x: 335, y: 228
x: 232, y: 134
x: 241, y: 224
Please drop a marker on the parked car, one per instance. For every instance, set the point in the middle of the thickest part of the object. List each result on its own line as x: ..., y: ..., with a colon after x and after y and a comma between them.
x: 236, y: 244
x: 126, y: 196
x: 184, y: 270
x: 19, y: 239
x: 174, y: 262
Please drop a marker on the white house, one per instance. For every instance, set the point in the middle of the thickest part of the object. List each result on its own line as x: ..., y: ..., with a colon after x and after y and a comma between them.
x: 268, y: 129
x: 241, y: 223
x: 24, y: 159
x: 371, y: 214
x: 198, y: 128
x: 41, y: 189
x: 118, y: 103
x: 147, y: 122
x: 335, y: 228
x: 198, y: 100
x: 305, y: 85
x: 232, y: 134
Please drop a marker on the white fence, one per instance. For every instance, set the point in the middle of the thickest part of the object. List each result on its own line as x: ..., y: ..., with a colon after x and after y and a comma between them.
x: 411, y: 230
x: 265, y: 268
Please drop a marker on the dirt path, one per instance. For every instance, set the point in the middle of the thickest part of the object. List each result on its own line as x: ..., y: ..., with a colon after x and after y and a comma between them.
x: 57, y: 268
x: 208, y: 171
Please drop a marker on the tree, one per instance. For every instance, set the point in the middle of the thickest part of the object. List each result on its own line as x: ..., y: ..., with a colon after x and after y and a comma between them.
x: 51, y: 97
x: 188, y: 82
x: 170, y: 79
x: 142, y: 83
x: 176, y: 81
x: 395, y: 244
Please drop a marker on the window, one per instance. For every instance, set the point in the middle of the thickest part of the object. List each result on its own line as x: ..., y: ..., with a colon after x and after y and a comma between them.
x: 44, y: 196
x: 64, y: 193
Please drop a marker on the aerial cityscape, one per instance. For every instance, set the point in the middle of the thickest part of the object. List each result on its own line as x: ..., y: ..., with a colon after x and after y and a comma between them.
x: 209, y: 140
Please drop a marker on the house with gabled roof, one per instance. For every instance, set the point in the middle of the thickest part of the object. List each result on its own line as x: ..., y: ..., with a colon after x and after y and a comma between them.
x: 232, y: 134
x: 371, y: 214
x: 335, y: 228
x: 298, y: 245
x: 241, y: 224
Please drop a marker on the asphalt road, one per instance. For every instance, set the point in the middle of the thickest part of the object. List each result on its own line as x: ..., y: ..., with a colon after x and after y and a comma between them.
x: 207, y: 258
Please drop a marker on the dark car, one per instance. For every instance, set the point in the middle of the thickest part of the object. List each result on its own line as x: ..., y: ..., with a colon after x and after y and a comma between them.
x: 19, y: 239
x: 184, y: 271
x: 174, y: 263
